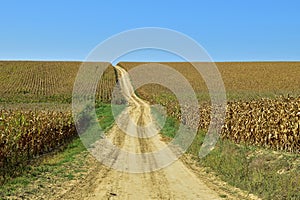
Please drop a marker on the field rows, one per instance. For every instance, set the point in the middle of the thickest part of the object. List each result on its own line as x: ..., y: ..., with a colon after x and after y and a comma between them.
x: 28, y: 82
x: 242, y: 80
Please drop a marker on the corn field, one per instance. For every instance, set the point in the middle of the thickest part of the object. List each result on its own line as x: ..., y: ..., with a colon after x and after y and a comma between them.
x: 272, y: 123
x: 35, y: 82
x: 259, y: 110
x: 242, y: 80
x: 28, y: 134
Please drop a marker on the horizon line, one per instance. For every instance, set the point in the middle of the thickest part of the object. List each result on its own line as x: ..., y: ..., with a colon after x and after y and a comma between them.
x: 137, y: 61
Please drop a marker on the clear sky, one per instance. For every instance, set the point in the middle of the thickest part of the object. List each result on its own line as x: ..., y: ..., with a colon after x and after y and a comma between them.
x: 240, y: 30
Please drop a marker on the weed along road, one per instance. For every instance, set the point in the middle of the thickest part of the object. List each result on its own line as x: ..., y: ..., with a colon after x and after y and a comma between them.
x: 115, y: 180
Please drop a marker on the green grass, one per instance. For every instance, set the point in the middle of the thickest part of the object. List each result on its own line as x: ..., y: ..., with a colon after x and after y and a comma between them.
x: 265, y: 173
x: 105, y: 118
x: 170, y: 127
x: 105, y: 115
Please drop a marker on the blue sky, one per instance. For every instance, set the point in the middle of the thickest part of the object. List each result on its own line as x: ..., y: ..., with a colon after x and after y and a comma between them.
x: 241, y: 30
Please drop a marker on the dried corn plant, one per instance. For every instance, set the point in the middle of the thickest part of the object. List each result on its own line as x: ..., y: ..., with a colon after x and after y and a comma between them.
x: 28, y: 134
x: 273, y: 123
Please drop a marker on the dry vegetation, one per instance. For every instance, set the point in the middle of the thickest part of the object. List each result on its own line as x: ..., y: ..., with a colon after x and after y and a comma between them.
x: 268, y: 122
x: 242, y: 80
x: 257, y: 114
x: 273, y: 123
x: 35, y: 117
x: 28, y: 134
x: 28, y: 82
x: 37, y: 81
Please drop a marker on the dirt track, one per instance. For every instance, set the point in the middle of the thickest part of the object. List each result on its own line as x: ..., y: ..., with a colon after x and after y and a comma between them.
x: 175, y: 181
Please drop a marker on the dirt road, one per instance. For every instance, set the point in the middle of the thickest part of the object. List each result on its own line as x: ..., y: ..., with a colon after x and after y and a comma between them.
x: 176, y: 181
